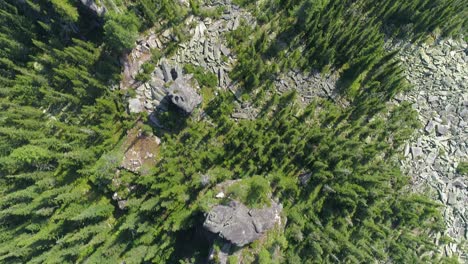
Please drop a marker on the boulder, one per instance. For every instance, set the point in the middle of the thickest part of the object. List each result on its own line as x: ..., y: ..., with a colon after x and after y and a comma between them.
x: 166, y: 70
x: 240, y: 225
x: 442, y: 130
x: 305, y: 178
x: 135, y: 105
x: 182, y: 92
x: 429, y: 127
x: 416, y: 152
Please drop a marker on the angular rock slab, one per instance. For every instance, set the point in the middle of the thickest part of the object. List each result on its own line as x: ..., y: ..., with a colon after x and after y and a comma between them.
x: 240, y: 225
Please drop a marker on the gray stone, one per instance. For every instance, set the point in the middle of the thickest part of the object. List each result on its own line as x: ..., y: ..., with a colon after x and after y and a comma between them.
x: 464, y: 114
x: 442, y: 130
x: 135, y: 105
x: 220, y: 76
x: 424, y: 57
x: 122, y: 204
x: 416, y: 152
x: 166, y: 70
x: 240, y: 115
x: 225, y: 51
x: 94, y: 7
x: 205, y: 180
x: 183, y: 93
x: 452, y: 198
x: 433, y: 98
x: 305, y: 178
x: 431, y: 158
x: 429, y: 127
x: 240, y: 225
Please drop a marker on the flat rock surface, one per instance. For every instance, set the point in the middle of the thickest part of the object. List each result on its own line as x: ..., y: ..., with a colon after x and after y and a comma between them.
x: 240, y: 225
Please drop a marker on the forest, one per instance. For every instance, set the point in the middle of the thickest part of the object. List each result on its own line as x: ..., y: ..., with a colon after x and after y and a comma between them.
x: 63, y: 120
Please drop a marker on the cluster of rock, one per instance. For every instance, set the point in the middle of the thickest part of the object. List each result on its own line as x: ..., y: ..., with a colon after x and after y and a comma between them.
x: 439, y: 75
x: 140, y: 54
x: 244, y: 110
x: 240, y: 225
x: 168, y: 84
x: 308, y: 86
x: 207, y: 46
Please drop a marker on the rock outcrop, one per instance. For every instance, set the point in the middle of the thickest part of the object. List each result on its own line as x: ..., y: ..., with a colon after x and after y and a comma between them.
x: 240, y: 225
x: 439, y: 75
x: 206, y: 47
x: 308, y: 85
x: 168, y: 84
x: 183, y: 93
x: 96, y: 7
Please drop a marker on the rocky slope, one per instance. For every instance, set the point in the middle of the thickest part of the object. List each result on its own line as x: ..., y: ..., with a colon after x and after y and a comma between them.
x: 437, y: 72
x: 206, y: 47
x: 439, y: 75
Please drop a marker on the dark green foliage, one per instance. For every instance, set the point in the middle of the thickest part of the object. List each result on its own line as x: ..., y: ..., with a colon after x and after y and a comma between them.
x: 205, y: 12
x: 416, y: 18
x: 60, y: 125
x: 121, y: 31
x: 161, y: 10
x: 350, y: 185
x: 203, y: 77
x: 57, y: 118
x: 148, y: 68
x: 253, y: 191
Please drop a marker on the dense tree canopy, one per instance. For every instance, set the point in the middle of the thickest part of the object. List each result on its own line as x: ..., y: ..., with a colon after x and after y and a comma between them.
x: 121, y: 31
x: 62, y: 126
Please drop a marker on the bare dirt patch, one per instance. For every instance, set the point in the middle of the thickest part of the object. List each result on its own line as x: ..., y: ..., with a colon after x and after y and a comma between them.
x: 140, y: 151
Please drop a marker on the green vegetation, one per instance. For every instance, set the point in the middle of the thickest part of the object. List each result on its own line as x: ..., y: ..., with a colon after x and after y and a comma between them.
x: 203, y: 77
x: 253, y: 192
x: 144, y: 76
x: 121, y: 31
x: 61, y: 129
x: 208, y: 81
x: 463, y: 168
x: 205, y: 12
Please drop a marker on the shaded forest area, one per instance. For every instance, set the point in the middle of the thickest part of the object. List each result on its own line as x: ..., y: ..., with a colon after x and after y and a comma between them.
x: 61, y: 123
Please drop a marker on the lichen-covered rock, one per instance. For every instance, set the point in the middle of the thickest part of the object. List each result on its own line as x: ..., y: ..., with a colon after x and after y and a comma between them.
x: 240, y: 225
x: 183, y: 93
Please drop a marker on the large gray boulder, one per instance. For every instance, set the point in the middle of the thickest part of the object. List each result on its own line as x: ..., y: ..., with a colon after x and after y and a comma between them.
x: 135, y: 105
x: 240, y: 225
x: 98, y: 9
x: 183, y: 93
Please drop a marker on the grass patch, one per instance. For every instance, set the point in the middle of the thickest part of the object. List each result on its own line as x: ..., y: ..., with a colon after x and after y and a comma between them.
x: 253, y: 192
x: 463, y: 168
x: 203, y: 77
x: 207, y: 95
